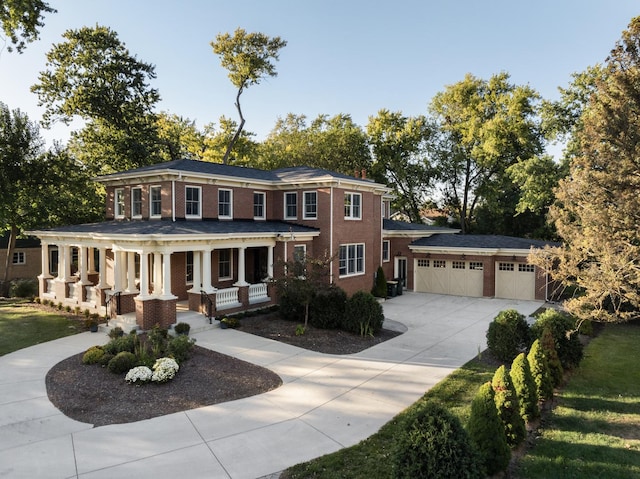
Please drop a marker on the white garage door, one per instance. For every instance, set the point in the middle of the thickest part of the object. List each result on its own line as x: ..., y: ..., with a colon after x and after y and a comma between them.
x: 515, y: 281
x: 460, y: 278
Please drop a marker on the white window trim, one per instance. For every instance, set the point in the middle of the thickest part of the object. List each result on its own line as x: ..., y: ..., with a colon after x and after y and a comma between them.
x: 226, y: 278
x: 199, y: 215
x: 364, y: 257
x: 264, y: 205
x: 304, y: 205
x: 388, y: 258
x: 286, y: 194
x: 350, y: 216
x: 117, y: 203
x: 136, y: 188
x: 304, y: 252
x: 151, y: 188
x: 230, y: 215
x: 21, y: 256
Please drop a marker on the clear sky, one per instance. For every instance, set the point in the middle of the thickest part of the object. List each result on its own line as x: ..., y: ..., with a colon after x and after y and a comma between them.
x: 343, y: 56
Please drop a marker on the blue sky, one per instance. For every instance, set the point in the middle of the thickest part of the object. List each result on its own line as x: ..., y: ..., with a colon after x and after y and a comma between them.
x: 343, y: 56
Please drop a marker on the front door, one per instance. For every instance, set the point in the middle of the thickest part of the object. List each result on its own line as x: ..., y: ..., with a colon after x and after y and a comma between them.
x: 400, y: 271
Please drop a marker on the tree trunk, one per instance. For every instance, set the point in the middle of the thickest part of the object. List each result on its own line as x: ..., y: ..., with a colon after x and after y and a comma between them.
x: 225, y: 158
x: 8, y: 264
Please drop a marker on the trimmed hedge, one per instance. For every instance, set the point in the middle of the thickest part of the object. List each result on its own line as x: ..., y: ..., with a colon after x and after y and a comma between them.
x: 508, y: 406
x: 525, y: 388
x: 570, y: 349
x: 508, y: 335
x: 328, y: 308
x: 363, y: 314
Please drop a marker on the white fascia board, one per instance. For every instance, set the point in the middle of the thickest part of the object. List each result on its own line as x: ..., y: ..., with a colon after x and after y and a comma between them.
x: 456, y: 251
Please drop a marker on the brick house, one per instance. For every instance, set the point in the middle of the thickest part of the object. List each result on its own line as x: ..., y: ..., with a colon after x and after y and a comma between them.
x: 203, y: 233
x: 25, y: 258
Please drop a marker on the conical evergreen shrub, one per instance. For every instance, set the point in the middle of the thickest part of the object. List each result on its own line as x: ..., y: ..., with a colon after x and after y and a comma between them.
x: 380, y: 286
x: 434, y: 444
x: 540, y: 371
x: 553, y: 360
x: 508, y: 406
x: 487, y: 432
x: 525, y: 388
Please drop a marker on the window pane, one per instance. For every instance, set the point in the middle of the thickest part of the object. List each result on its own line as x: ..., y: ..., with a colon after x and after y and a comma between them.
x: 258, y: 205
x: 310, y: 204
x: 156, y: 201
x: 291, y: 206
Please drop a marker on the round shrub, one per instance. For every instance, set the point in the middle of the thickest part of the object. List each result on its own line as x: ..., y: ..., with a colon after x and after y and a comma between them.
x: 291, y: 305
x: 180, y: 348
x: 508, y: 335
x: 540, y: 371
x: 23, y: 288
x: 434, y: 444
x: 487, y: 432
x: 120, y: 344
x: 122, y: 362
x: 327, y: 308
x: 93, y: 355
x: 525, y: 388
x: 562, y: 327
x: 182, y: 328
x: 508, y: 406
x: 363, y: 314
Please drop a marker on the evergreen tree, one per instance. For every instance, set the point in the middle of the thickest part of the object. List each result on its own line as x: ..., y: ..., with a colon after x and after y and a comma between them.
x: 380, y: 286
x: 540, y: 371
x: 553, y: 360
x: 525, y: 388
x: 508, y: 406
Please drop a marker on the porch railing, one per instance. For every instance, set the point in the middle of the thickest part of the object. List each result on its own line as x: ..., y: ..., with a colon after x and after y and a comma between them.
x: 226, y: 298
x: 50, y: 286
x: 91, y: 295
x: 113, y: 305
x: 207, y: 305
x: 258, y: 292
x: 75, y: 291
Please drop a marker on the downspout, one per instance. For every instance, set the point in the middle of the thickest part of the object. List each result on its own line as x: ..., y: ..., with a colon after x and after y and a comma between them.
x: 331, y: 236
x: 173, y: 200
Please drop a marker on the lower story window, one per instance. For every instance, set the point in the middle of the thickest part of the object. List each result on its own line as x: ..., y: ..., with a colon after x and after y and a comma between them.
x: 18, y: 257
x: 351, y: 259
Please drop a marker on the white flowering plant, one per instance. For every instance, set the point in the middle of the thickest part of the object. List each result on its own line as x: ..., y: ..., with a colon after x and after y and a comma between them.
x: 164, y: 369
x: 139, y: 374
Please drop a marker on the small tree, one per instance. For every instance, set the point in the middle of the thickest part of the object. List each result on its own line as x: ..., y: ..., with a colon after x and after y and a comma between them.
x: 553, y: 360
x: 380, y: 287
x: 540, y: 371
x: 508, y: 406
x: 487, y: 431
x: 434, y: 444
x: 525, y: 388
x: 508, y: 335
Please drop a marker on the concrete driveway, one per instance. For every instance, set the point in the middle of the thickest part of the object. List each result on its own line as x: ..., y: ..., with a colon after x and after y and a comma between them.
x: 327, y: 402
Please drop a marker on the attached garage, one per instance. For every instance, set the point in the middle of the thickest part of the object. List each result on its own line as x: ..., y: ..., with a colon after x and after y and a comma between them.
x: 457, y: 277
x: 515, y: 280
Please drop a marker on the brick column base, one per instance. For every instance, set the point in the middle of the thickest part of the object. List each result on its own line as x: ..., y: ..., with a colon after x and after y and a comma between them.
x: 152, y: 311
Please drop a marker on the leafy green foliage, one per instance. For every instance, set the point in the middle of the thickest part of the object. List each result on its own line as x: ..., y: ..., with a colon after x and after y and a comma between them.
x: 21, y: 21
x: 508, y: 406
x: 562, y: 327
x: 548, y: 343
x: 122, y: 362
x: 508, y: 335
x: 328, y: 308
x: 23, y: 288
x: 363, y: 314
x: 180, y: 348
x: 433, y: 443
x: 120, y: 344
x: 540, y: 371
x: 182, y: 328
x: 380, y: 287
x: 525, y: 388
x: 487, y: 431
x: 93, y: 355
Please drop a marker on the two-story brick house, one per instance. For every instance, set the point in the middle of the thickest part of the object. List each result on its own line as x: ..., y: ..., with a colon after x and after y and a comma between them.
x: 196, y: 231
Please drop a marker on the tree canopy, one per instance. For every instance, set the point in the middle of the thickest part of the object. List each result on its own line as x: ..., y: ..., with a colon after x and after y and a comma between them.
x: 597, y: 212
x: 21, y: 21
x: 248, y: 57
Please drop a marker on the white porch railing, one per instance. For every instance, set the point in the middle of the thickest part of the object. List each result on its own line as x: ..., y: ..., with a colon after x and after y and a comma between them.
x: 227, y: 298
x: 258, y: 293
x: 50, y: 287
x: 75, y: 290
x: 92, y: 294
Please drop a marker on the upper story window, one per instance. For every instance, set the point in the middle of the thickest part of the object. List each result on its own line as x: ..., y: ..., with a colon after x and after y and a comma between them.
x: 290, y: 206
x: 310, y: 205
x: 386, y: 209
x: 155, y: 202
x: 225, y: 206
x: 259, y: 200
x: 19, y: 257
x: 352, y: 206
x: 192, y: 202
x: 119, y: 203
x: 136, y: 202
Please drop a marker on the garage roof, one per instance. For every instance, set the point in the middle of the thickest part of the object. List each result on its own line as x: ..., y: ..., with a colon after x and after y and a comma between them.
x: 491, y: 242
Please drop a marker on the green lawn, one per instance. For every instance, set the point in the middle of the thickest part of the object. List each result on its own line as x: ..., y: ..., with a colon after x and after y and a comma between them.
x: 22, y: 325
x: 595, y: 429
x: 594, y: 432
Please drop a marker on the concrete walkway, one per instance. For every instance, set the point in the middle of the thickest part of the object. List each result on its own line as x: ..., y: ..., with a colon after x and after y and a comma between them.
x: 327, y: 402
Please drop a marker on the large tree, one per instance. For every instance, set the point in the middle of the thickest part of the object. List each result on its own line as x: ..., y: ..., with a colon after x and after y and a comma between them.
x: 598, y: 207
x: 249, y: 57
x: 92, y: 76
x: 401, y: 161
x: 486, y: 126
x: 333, y: 143
x: 216, y: 142
x: 21, y: 21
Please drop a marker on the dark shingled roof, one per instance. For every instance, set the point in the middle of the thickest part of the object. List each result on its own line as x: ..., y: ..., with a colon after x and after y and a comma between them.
x: 166, y: 227
x: 297, y: 173
x: 482, y: 241
x: 26, y: 242
x: 393, y: 225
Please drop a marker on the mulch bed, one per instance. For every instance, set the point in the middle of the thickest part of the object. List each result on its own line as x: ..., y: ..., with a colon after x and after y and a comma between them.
x: 91, y: 394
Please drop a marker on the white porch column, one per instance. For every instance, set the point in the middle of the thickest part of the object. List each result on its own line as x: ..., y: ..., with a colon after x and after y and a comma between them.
x: 44, y: 251
x: 206, y: 271
x: 91, y: 260
x: 144, y: 275
x: 157, y: 274
x: 166, y: 276
x: 197, y: 282
x: 241, y: 273
x: 131, y: 272
x: 82, y: 264
x: 117, y: 270
x: 102, y: 281
x: 66, y: 263
x: 270, y: 261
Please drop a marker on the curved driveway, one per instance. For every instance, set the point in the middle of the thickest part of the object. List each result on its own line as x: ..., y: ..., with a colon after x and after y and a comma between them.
x: 327, y: 402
